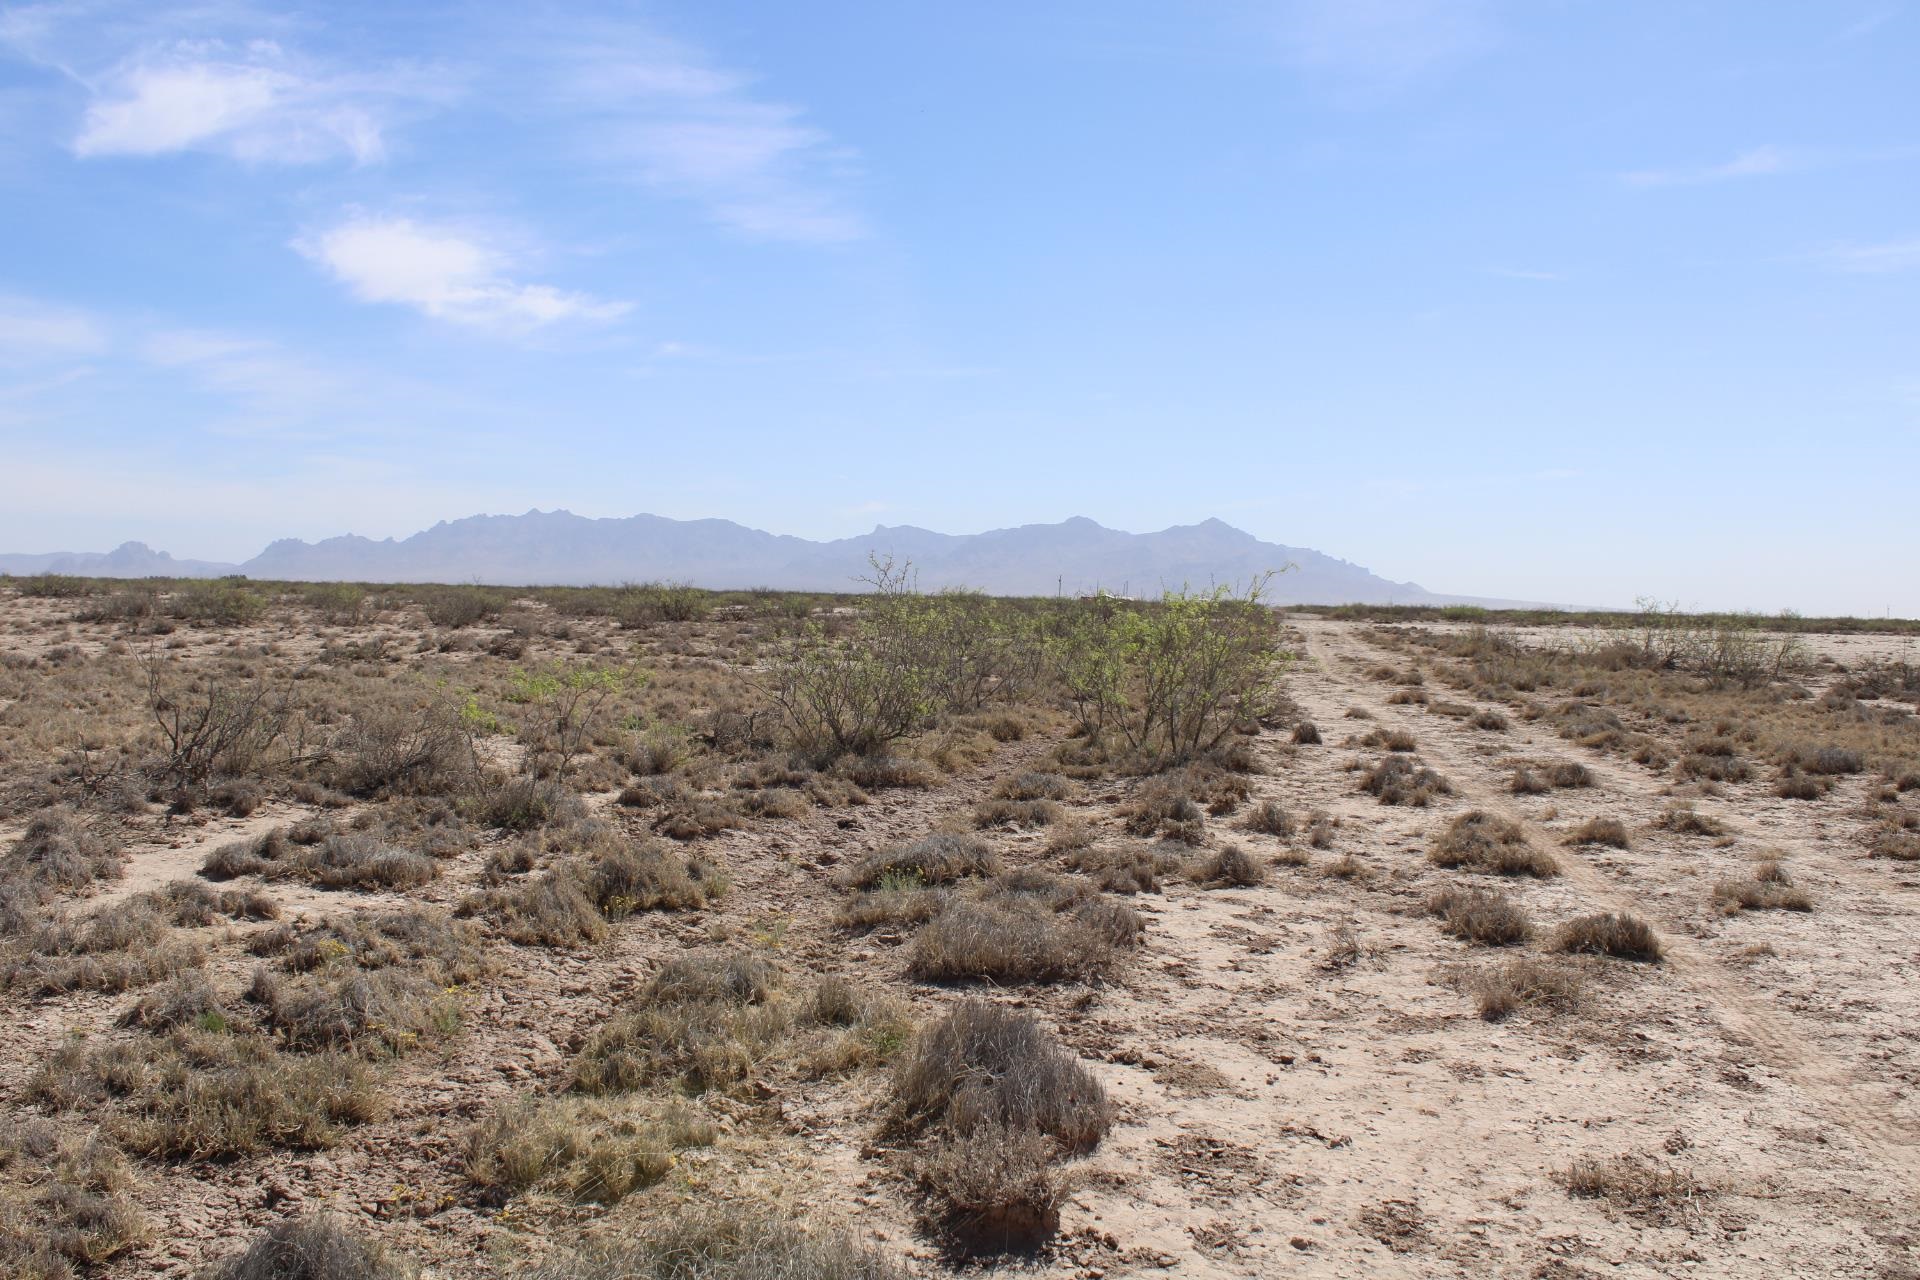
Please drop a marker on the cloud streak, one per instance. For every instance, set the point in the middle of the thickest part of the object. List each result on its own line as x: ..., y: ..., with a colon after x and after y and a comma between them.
x: 657, y: 112
x: 443, y: 272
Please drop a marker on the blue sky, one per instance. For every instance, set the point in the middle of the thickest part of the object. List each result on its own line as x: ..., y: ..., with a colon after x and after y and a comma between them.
x: 1574, y: 300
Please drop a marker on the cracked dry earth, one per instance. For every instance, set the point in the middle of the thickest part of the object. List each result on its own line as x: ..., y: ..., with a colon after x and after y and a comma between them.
x: 1302, y: 1087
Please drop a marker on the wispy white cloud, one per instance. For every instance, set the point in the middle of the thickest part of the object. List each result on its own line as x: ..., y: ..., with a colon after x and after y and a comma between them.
x: 658, y: 112
x: 1758, y: 162
x: 1875, y: 259
x: 215, y: 76
x: 253, y: 103
x: 34, y: 332
x: 1382, y: 44
x: 445, y: 272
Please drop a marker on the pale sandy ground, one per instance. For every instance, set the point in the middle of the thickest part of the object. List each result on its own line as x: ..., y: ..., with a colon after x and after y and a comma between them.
x: 1277, y: 1116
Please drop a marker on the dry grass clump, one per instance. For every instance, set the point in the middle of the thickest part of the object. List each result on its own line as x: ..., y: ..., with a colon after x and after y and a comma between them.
x: 940, y: 858
x: 1770, y: 889
x: 578, y: 1148
x: 444, y: 950
x: 1481, y: 841
x: 1892, y: 842
x: 1632, y: 1184
x: 338, y: 860
x: 1491, y: 721
x: 1525, y: 983
x: 191, y: 904
x: 1825, y: 761
x: 1390, y: 740
x: 702, y: 1023
x: 1001, y: 1102
x: 1609, y: 933
x: 893, y: 903
x: 393, y: 747
x: 1407, y: 697
x: 1792, y: 784
x: 1486, y: 919
x: 1682, y: 818
x: 877, y: 772
x: 206, y: 1095
x: 1533, y: 780
x: 680, y: 812
x: 1173, y: 805
x: 523, y: 804
x: 1715, y: 766
x: 319, y: 1247
x: 65, y: 1202
x: 109, y: 949
x: 61, y: 850
x: 722, y: 1242
x: 1019, y: 814
x: 1306, y: 734
x: 1403, y: 781
x: 187, y: 999
x: 1231, y: 866
x: 1127, y: 870
x: 1268, y: 818
x: 1035, y: 786
x: 570, y: 905
x: 1610, y: 832
x: 1024, y: 927
x: 370, y: 1013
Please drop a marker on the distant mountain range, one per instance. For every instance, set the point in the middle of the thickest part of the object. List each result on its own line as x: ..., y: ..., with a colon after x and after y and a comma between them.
x: 541, y: 548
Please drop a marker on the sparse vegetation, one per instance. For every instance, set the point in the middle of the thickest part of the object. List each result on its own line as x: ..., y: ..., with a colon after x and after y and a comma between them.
x: 1481, y: 841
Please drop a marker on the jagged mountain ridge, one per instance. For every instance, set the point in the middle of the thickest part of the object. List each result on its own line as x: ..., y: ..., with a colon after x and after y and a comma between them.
x: 1074, y: 556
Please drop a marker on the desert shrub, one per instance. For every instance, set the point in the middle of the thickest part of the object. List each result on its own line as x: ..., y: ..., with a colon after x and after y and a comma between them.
x: 187, y: 999
x: 1526, y: 782
x: 1524, y: 983
x: 578, y: 1148
x: 1016, y: 813
x: 1031, y: 785
x: 1487, y: 919
x: 64, y: 1202
x: 1268, y: 818
x: 1795, y: 785
x: 1610, y: 933
x: 551, y: 910
x: 340, y: 860
x: 1018, y: 937
x: 1125, y: 870
x: 399, y: 749
x: 445, y: 951
x: 1390, y: 740
x: 319, y: 1247
x: 890, y: 905
x: 1492, y: 721
x: 1682, y: 818
x: 1231, y: 866
x: 1712, y: 767
x: 213, y: 725
x: 1173, y: 680
x: 701, y: 1023
x: 940, y: 858
x: 1481, y: 841
x: 109, y: 949
x: 61, y: 850
x: 1407, y: 698
x: 202, y: 1095
x: 1631, y: 1184
x: 982, y: 1065
x: 1604, y: 831
x: 191, y: 904
x: 523, y: 804
x: 993, y: 1190
x: 51, y: 586
x: 1403, y: 781
x: 776, y: 802
x: 653, y: 602
x: 452, y: 608
x: 1306, y: 734
x: 1825, y: 761
x: 878, y: 772
x: 372, y: 1013
x: 225, y: 602
x: 1891, y: 842
x: 722, y: 1242
x: 1770, y: 889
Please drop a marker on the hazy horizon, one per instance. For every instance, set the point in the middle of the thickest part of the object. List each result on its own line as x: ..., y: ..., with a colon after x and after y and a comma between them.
x: 1580, y: 302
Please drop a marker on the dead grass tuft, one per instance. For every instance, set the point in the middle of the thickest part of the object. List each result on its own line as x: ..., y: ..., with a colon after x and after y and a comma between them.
x: 1486, y: 842
x: 1610, y: 933
x: 1487, y: 919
